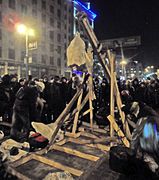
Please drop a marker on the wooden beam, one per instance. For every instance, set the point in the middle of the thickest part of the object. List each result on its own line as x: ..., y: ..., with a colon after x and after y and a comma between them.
x: 76, y: 153
x: 22, y: 160
x: 111, y: 60
x: 122, y: 114
x: 86, y: 134
x: 57, y: 165
x: 77, y: 113
x: 72, y: 134
x: 86, y: 143
x: 90, y: 85
x: 119, y: 131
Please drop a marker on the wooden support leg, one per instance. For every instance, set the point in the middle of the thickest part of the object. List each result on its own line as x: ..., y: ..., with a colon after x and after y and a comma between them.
x: 111, y: 58
x: 77, y: 113
x: 119, y: 131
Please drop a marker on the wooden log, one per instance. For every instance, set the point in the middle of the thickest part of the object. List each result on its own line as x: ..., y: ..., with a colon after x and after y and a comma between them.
x: 86, y: 143
x: 119, y: 131
x: 77, y: 113
x: 76, y: 153
x: 57, y: 165
x: 22, y: 160
x: 111, y: 59
x: 122, y: 114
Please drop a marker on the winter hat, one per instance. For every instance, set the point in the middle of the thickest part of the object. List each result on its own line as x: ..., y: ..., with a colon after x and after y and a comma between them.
x: 40, y: 86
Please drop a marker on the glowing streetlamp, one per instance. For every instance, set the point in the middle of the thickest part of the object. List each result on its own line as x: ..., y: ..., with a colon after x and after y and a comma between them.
x: 123, y: 64
x: 22, y: 29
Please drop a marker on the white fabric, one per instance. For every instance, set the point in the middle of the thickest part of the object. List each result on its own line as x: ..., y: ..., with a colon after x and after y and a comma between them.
x: 47, y: 130
x: 59, y: 176
x: 76, y: 51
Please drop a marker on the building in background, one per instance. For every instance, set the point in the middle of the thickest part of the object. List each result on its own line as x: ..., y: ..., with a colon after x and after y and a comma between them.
x: 52, y: 21
x: 128, y: 54
x: 54, y: 26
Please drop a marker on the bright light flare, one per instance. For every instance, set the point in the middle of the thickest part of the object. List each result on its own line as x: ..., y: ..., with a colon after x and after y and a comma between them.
x: 31, y: 32
x: 21, y: 28
x: 123, y: 62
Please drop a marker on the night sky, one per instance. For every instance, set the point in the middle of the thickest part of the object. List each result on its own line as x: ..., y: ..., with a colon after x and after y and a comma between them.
x: 121, y: 18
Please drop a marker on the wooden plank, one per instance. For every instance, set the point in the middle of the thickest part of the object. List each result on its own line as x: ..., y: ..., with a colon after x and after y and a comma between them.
x: 77, y: 113
x: 57, y: 165
x: 22, y: 160
x: 87, y: 143
x: 73, y: 135
x: 86, y: 134
x: 119, y: 131
x: 14, y: 172
x: 76, y: 153
x: 111, y: 60
x: 98, y: 130
x: 90, y: 85
x: 122, y: 114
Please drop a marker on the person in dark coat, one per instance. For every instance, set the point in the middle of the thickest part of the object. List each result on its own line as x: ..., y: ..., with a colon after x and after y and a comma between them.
x: 64, y: 91
x: 6, y: 99
x: 24, y: 111
x: 56, y: 98
x: 105, y: 93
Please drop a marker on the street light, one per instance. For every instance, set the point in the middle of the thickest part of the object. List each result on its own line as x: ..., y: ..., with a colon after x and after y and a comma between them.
x: 123, y: 65
x: 22, y: 29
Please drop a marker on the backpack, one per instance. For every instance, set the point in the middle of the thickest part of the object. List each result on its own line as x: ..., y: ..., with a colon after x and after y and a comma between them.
x: 37, y: 141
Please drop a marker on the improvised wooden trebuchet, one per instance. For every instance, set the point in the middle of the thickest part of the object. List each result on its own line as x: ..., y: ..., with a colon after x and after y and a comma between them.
x: 109, y: 71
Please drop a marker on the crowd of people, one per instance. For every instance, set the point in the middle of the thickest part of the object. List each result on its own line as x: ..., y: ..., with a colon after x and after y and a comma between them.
x: 44, y: 99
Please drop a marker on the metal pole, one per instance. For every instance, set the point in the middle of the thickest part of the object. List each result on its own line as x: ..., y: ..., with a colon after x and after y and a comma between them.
x: 26, y: 53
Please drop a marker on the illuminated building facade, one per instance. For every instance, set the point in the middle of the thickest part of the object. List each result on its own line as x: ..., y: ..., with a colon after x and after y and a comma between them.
x: 54, y: 26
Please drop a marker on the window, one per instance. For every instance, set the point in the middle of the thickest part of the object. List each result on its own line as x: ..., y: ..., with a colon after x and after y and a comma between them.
x: 43, y: 18
x: 12, y: 4
x: 59, y: 49
x: 34, y: 2
x: 65, y: 7
x: 51, y: 35
x: 23, y: 9
x: 0, y: 17
x: 58, y: 13
x: 11, y: 53
x: 34, y: 58
x: 0, y: 51
x: 51, y: 60
x: 43, y: 4
x: 59, y: 62
x: 51, y: 9
x: 59, y: 24
x: 59, y: 2
x: 22, y: 55
x: 51, y: 47
x: 34, y: 12
x: 65, y: 36
x: 59, y: 38
x: 0, y: 34
x: 43, y: 59
x: 52, y: 22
